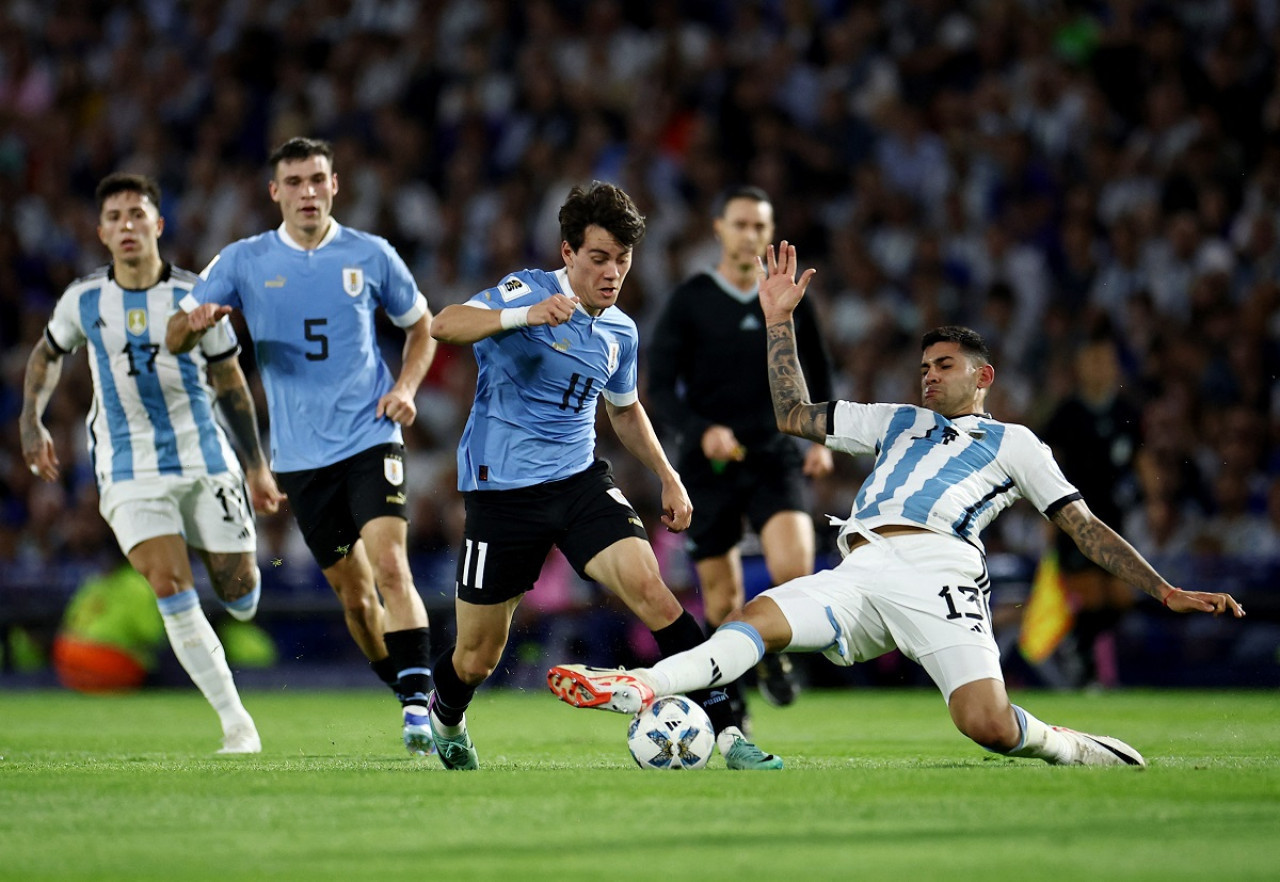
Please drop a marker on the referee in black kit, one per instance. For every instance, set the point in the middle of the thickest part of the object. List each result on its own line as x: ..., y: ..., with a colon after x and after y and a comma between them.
x: 708, y: 384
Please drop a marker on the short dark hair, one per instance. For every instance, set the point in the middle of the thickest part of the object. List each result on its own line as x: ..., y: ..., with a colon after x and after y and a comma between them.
x: 739, y: 191
x: 969, y: 340
x: 602, y: 205
x: 125, y: 182
x: 299, y: 148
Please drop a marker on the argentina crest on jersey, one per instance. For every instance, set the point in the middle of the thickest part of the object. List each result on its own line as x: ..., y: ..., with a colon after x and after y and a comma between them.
x: 353, y: 280
x: 136, y: 320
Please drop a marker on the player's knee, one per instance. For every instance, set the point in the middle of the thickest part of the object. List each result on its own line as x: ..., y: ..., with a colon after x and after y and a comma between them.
x: 233, y: 575
x: 166, y: 580
x: 391, y: 570
x: 357, y: 598
x: 718, y: 607
x: 474, y: 666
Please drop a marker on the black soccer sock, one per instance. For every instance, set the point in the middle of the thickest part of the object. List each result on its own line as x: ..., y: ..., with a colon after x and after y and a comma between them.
x: 453, y: 697
x: 385, y: 668
x: 684, y: 633
x: 680, y: 635
x: 410, y: 652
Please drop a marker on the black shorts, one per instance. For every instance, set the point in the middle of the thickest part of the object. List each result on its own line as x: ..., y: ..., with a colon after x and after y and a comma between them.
x: 770, y: 479
x: 333, y: 502
x: 509, y: 533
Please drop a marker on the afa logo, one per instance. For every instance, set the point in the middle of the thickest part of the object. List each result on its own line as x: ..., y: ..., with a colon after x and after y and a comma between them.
x: 136, y: 321
x: 353, y: 280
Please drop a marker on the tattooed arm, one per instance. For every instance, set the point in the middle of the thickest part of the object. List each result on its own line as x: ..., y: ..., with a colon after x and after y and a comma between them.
x: 795, y: 414
x: 1108, y: 549
x: 236, y: 402
x: 779, y: 296
x: 44, y: 368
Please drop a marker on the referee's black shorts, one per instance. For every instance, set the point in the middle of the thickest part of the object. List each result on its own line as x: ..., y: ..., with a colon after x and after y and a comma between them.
x: 509, y: 533
x: 769, y: 480
x: 333, y: 502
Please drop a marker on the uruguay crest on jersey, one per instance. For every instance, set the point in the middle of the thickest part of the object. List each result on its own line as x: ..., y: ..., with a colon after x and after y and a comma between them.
x: 353, y: 280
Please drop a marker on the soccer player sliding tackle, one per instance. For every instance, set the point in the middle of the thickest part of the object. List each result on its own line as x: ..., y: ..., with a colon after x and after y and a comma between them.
x: 914, y: 576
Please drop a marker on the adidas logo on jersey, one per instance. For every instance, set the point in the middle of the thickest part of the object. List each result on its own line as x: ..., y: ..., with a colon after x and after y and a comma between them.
x: 749, y: 323
x: 99, y: 323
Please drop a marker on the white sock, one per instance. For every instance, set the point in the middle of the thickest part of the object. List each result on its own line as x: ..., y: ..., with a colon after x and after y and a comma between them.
x: 1040, y: 740
x: 730, y: 652
x: 200, y: 652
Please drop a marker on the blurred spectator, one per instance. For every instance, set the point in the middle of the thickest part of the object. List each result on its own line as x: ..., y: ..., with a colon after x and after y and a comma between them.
x: 996, y: 163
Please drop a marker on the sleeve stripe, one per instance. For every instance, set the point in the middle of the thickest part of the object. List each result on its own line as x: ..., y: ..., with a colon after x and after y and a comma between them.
x: 417, y: 311
x: 222, y: 356
x: 1053, y: 509
x: 48, y: 336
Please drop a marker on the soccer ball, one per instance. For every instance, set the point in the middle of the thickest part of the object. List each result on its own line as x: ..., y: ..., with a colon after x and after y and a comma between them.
x: 672, y: 733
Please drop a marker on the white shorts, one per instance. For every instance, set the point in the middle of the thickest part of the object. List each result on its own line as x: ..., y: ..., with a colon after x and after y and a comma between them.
x: 926, y: 595
x: 211, y: 512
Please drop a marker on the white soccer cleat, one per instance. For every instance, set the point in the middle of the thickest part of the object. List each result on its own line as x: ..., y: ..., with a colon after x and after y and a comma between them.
x: 241, y: 738
x: 611, y: 689
x: 1099, y: 750
x: 417, y: 731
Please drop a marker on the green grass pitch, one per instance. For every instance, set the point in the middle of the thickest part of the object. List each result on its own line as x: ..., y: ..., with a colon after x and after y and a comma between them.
x: 878, y: 786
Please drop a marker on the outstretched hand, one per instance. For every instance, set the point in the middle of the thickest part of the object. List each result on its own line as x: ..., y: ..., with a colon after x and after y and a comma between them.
x: 780, y: 293
x: 206, y: 315
x: 1203, y: 601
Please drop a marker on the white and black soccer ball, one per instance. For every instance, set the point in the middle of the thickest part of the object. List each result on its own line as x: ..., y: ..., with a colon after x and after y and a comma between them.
x: 672, y: 733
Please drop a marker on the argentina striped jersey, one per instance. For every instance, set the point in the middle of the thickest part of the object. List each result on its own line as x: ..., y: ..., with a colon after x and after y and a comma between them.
x: 152, y: 411
x: 952, y: 476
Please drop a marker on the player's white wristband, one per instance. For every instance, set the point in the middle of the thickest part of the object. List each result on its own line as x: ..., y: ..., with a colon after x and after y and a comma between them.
x: 516, y: 317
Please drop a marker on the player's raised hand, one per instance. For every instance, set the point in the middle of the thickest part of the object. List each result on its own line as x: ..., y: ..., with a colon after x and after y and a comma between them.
x: 779, y: 290
x: 555, y: 310
x: 1203, y: 601
x: 206, y: 315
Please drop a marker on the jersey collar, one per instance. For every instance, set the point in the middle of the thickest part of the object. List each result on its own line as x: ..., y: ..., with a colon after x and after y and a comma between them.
x: 562, y: 280
x: 734, y: 292
x: 165, y: 271
x: 288, y: 240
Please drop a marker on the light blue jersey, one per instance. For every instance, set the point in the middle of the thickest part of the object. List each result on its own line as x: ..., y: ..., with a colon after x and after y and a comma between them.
x: 952, y: 476
x: 311, y: 316
x: 534, y: 418
x: 152, y: 412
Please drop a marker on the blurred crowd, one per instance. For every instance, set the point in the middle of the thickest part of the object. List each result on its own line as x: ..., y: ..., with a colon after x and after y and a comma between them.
x: 1059, y: 175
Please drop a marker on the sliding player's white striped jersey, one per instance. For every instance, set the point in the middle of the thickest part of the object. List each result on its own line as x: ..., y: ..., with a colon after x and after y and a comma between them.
x: 952, y: 476
x: 152, y: 411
